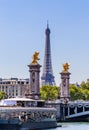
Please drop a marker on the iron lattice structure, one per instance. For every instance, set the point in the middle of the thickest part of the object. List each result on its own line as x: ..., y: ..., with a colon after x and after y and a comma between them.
x: 47, y: 75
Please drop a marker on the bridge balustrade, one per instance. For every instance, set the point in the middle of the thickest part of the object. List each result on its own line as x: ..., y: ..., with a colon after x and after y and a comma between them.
x: 80, y: 108
x: 86, y: 107
x: 71, y: 109
x: 66, y: 110
x: 75, y: 108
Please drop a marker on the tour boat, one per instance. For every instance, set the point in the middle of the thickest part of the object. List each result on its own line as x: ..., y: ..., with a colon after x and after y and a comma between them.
x: 26, y: 114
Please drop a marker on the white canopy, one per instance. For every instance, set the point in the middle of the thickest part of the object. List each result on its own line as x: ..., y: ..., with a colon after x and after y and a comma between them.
x: 13, y: 101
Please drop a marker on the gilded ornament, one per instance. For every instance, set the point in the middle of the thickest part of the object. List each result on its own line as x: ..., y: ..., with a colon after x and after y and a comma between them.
x: 35, y: 58
x: 65, y: 67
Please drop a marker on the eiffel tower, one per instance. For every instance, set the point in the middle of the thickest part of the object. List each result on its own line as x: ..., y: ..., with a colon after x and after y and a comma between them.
x: 47, y: 77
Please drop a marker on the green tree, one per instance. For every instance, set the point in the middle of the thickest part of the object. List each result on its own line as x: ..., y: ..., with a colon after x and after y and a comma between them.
x: 83, y: 85
x: 2, y: 95
x: 75, y: 92
x: 49, y: 92
x: 85, y: 89
x: 81, y: 92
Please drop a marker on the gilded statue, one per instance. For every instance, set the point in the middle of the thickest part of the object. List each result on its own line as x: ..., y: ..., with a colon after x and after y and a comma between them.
x: 65, y: 67
x: 35, y: 58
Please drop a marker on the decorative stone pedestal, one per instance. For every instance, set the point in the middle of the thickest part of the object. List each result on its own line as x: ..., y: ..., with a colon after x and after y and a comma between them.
x: 64, y: 88
x: 34, y: 91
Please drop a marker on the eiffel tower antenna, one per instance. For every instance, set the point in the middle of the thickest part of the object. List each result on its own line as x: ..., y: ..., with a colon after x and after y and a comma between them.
x: 47, y: 24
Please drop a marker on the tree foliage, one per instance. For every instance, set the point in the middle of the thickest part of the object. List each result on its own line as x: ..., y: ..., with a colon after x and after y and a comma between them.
x: 2, y: 95
x: 81, y: 92
x: 75, y: 92
x: 49, y: 92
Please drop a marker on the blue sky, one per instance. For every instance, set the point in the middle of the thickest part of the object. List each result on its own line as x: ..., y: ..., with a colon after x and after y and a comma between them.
x: 22, y: 32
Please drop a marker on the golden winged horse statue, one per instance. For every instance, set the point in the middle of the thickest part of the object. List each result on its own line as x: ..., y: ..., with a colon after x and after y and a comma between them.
x: 65, y: 67
x: 35, y: 58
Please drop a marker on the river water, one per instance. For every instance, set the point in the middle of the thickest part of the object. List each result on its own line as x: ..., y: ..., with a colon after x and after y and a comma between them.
x: 73, y: 126
x: 67, y: 126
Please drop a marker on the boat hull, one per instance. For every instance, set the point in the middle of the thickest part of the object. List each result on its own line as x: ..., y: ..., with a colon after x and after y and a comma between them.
x: 27, y: 125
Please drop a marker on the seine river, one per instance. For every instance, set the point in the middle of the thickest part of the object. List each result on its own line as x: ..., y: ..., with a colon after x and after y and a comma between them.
x: 73, y: 126
x: 67, y: 126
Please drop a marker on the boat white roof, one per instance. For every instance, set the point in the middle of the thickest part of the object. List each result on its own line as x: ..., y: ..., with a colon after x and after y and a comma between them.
x: 18, y: 99
x: 21, y: 99
x: 12, y: 101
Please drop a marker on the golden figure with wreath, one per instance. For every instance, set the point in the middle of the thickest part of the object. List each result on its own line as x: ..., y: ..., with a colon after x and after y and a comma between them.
x: 35, y: 58
x: 65, y: 67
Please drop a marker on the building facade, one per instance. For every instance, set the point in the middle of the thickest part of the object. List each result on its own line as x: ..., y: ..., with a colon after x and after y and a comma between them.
x: 14, y: 87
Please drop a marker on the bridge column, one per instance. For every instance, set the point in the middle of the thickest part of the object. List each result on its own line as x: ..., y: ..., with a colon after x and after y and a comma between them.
x: 83, y: 108
x: 68, y: 110
x: 62, y: 112
x: 75, y: 110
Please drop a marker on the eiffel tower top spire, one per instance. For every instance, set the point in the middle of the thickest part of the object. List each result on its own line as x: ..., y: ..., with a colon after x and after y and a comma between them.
x: 47, y: 31
x: 47, y: 75
x: 47, y: 24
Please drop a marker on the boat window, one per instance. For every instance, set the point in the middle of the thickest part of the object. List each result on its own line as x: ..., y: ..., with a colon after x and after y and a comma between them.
x: 40, y: 104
